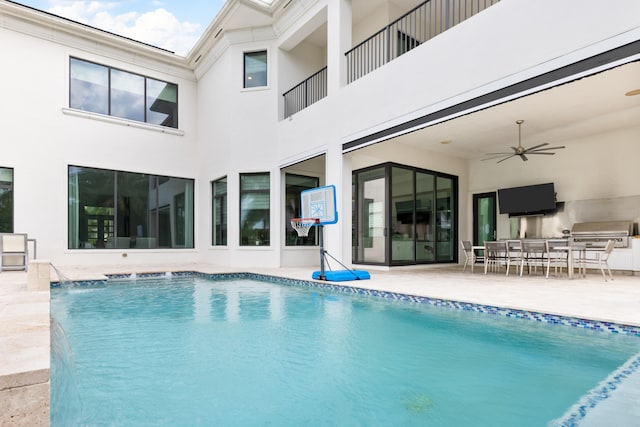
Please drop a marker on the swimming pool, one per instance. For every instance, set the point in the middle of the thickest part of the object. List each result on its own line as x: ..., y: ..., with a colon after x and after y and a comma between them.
x: 194, y: 351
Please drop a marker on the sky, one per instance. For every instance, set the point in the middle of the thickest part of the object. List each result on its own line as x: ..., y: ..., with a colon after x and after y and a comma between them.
x: 174, y: 25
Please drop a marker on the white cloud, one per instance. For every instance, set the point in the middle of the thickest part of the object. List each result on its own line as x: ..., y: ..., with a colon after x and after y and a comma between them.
x: 158, y: 27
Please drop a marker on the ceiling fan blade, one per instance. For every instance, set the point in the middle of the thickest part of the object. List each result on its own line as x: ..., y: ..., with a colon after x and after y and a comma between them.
x: 506, y: 158
x: 536, y: 146
x: 537, y: 152
x: 523, y: 157
x: 544, y: 149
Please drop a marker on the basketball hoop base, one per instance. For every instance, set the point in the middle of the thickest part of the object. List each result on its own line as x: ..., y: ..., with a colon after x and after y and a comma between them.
x: 341, y: 275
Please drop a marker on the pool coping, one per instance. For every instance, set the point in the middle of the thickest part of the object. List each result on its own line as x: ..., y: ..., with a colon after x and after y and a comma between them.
x: 574, y: 414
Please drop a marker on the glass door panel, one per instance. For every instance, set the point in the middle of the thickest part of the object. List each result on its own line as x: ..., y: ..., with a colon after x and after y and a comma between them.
x: 444, y: 219
x: 402, y: 216
x: 484, y: 218
x: 371, y: 233
x: 425, y: 217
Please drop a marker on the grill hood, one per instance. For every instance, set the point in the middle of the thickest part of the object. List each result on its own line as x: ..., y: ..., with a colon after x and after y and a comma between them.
x: 624, y: 228
x: 596, y: 234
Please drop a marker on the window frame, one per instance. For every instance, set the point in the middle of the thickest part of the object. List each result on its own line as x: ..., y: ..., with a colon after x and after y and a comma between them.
x: 247, y: 53
x: 259, y: 242
x: 146, y: 105
x: 223, y: 199
x: 154, y: 210
x: 312, y: 239
x: 12, y: 207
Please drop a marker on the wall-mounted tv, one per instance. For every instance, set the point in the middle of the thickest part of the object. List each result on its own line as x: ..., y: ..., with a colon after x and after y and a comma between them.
x: 528, y: 200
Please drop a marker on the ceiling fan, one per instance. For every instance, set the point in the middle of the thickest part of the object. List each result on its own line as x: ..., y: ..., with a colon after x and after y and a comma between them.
x: 521, y: 151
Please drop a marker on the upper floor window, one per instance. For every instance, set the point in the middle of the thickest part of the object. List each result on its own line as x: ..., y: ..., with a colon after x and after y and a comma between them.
x: 255, y: 69
x: 105, y: 90
x: 6, y: 200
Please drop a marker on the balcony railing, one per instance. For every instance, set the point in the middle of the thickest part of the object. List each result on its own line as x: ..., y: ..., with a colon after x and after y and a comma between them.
x: 424, y: 22
x: 306, y: 93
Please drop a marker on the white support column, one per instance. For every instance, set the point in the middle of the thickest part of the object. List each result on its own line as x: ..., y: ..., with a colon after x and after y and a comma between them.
x: 339, y: 23
x: 333, y: 234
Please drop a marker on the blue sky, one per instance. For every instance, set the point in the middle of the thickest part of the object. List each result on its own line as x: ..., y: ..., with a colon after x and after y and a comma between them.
x: 175, y: 25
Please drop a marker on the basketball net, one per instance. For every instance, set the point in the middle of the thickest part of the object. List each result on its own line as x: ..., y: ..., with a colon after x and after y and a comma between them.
x: 303, y: 225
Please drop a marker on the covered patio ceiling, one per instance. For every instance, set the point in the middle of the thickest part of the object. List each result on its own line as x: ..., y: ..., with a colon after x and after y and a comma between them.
x: 591, y: 105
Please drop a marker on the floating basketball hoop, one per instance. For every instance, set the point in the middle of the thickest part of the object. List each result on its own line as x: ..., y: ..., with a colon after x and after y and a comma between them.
x: 303, y: 225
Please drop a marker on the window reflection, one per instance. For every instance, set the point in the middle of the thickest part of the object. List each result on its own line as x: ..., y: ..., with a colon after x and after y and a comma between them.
x: 127, y: 95
x: 162, y: 103
x: 255, y: 69
x: 104, y: 90
x: 89, y: 87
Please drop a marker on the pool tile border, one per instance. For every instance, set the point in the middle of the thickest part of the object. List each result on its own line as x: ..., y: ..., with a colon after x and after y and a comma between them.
x: 570, y: 419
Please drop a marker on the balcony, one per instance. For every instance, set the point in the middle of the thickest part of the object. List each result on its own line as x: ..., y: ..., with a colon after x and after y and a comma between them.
x: 417, y: 26
x: 309, y: 91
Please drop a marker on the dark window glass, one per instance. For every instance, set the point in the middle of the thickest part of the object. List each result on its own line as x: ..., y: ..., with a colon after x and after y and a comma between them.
x: 121, y: 210
x: 294, y: 185
x: 6, y: 200
x: 255, y: 69
x: 219, y: 212
x: 89, y: 87
x: 254, y: 209
x: 104, y: 90
x: 127, y: 95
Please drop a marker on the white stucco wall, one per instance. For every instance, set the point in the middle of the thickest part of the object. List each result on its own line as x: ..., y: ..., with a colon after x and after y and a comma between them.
x: 226, y: 130
x: 40, y: 141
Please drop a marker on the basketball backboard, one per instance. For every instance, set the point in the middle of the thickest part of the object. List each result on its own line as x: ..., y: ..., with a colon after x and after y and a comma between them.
x: 320, y: 203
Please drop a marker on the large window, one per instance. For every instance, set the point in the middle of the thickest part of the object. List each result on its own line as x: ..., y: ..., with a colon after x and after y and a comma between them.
x: 219, y: 212
x: 104, y: 90
x: 255, y: 69
x: 122, y: 210
x: 6, y: 200
x: 254, y: 209
x: 294, y: 185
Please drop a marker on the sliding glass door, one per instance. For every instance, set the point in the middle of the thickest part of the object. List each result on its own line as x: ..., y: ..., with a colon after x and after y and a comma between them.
x: 371, y: 217
x: 404, y: 216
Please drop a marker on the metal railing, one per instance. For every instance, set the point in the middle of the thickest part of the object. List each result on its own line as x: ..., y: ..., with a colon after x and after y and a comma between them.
x: 306, y: 93
x: 422, y: 23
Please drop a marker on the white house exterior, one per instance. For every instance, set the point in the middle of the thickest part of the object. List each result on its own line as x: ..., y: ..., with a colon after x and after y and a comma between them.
x: 466, y: 85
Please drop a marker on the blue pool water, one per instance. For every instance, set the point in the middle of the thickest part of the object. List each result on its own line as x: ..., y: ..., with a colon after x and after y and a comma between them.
x: 191, y: 351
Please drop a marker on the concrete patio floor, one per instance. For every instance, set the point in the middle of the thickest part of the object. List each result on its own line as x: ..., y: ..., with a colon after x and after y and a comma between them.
x: 24, y: 315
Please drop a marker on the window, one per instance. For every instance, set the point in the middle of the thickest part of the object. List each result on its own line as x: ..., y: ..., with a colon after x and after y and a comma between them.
x: 6, y: 200
x: 254, y: 209
x: 104, y: 90
x: 294, y: 185
x: 255, y: 69
x: 219, y: 212
x: 122, y: 210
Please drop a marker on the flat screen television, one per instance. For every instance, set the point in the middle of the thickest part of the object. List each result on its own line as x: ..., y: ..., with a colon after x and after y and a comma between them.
x: 531, y: 199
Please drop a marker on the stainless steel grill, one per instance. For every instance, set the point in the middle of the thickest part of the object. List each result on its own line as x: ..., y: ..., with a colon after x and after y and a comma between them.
x: 596, y: 234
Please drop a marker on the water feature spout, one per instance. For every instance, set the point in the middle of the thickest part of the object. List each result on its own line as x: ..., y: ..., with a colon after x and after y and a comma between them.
x: 62, y: 279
